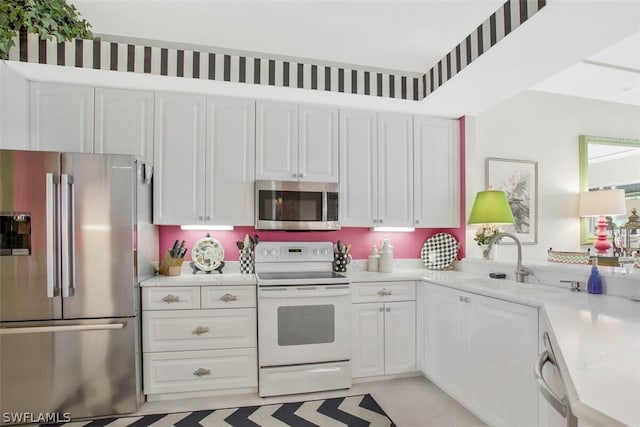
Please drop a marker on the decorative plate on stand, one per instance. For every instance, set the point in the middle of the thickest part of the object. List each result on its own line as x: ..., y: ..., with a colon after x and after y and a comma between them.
x: 207, y: 255
x: 439, y: 251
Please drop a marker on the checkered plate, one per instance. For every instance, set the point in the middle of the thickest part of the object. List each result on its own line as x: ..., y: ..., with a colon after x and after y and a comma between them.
x: 439, y: 251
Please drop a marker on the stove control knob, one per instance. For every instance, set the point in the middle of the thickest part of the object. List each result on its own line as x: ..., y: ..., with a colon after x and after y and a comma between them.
x: 325, y: 251
x: 316, y: 251
x: 264, y: 252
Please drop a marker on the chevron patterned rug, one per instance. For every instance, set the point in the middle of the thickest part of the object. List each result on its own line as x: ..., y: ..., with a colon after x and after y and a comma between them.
x: 359, y: 411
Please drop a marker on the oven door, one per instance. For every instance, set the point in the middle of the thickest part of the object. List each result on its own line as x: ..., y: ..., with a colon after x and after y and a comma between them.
x: 304, y: 324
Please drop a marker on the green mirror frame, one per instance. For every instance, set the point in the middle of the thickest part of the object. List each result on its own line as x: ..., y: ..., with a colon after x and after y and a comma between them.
x: 583, y: 145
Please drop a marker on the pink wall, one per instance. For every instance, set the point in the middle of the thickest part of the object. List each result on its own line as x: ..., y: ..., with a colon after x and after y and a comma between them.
x: 406, y: 245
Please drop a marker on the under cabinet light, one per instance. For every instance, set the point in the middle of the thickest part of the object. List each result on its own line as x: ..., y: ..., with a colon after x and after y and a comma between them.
x: 394, y: 229
x: 207, y: 227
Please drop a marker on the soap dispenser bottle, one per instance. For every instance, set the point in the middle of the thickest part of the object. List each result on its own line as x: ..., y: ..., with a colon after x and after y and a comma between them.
x: 386, y: 256
x: 374, y: 259
x: 594, y: 285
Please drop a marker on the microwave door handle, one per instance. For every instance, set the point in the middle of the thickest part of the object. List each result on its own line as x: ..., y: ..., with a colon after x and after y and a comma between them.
x: 52, y: 231
x: 67, y: 236
x: 325, y: 210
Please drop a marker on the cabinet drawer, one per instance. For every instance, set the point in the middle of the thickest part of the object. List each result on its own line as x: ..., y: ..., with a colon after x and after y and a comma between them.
x: 198, y: 329
x: 383, y: 291
x: 228, y: 296
x: 184, y: 371
x: 171, y: 298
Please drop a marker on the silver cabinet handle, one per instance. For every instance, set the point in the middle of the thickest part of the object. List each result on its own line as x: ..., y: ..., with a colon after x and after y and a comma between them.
x: 200, y: 372
x: 384, y: 292
x: 380, y: 221
x: 301, y: 175
x: 171, y: 298
x: 465, y: 299
x: 199, y: 330
x: 295, y: 175
x: 375, y: 221
x: 550, y: 396
x: 228, y: 297
x: 388, y: 309
x: 381, y: 308
x: 417, y: 221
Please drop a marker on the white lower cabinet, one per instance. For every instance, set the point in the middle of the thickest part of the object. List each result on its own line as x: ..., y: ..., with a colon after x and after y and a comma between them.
x: 199, y: 338
x: 482, y: 351
x: 384, y: 332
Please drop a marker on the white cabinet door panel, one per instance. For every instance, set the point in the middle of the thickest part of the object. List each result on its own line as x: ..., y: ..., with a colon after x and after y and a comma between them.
x: 437, y: 172
x: 395, y: 170
x: 503, y: 339
x: 318, y: 144
x: 358, y: 168
x: 230, y: 161
x: 179, y: 146
x: 199, y: 329
x: 185, y: 371
x: 124, y: 122
x: 61, y: 118
x: 445, y: 339
x: 276, y: 141
x: 400, y: 337
x: 368, y: 344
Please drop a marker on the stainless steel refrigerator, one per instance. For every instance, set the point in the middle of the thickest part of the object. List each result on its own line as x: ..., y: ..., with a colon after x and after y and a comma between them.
x: 75, y: 240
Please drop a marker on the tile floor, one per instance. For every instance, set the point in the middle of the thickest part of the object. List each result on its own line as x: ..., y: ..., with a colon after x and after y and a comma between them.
x: 409, y: 402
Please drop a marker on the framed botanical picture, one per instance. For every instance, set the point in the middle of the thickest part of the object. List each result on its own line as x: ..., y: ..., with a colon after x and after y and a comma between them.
x: 519, y: 179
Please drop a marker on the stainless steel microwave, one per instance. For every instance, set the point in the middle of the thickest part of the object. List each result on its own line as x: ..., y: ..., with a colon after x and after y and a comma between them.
x: 292, y: 205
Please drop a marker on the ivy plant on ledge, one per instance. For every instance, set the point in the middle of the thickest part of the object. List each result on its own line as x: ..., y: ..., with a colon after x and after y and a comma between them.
x: 46, y: 18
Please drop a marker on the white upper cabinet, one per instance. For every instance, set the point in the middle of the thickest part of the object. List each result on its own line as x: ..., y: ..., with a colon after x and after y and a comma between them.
x: 376, y: 169
x: 276, y: 141
x: 436, y: 172
x: 14, y: 109
x: 358, y: 168
x: 395, y: 170
x: 61, y: 118
x: 318, y: 144
x: 204, y: 151
x: 296, y: 143
x: 124, y: 122
x: 179, y: 159
x: 230, y: 161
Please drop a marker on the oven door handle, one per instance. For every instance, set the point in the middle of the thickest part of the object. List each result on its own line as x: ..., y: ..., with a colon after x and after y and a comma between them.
x: 302, y: 292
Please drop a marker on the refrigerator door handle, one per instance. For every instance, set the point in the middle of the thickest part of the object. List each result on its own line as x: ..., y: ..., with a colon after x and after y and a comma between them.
x: 67, y: 234
x: 64, y: 328
x: 52, y: 260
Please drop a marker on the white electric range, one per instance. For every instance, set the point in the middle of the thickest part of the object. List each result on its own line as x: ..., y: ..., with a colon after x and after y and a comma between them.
x: 304, y: 319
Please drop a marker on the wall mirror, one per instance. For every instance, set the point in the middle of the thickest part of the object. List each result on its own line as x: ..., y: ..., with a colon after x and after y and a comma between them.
x: 607, y: 162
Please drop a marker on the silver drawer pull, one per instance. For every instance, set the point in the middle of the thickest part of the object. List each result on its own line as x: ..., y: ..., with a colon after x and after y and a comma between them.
x: 384, y: 292
x: 200, y: 330
x: 228, y: 297
x: 200, y: 372
x: 171, y: 298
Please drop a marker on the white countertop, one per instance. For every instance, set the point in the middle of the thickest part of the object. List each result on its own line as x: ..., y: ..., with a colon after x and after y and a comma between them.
x: 596, y: 337
x: 213, y: 279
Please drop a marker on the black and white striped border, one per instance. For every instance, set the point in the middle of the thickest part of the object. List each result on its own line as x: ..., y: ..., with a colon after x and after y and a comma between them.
x: 510, y: 16
x: 104, y: 55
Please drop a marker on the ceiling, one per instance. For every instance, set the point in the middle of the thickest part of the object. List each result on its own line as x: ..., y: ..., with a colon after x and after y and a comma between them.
x: 587, y: 48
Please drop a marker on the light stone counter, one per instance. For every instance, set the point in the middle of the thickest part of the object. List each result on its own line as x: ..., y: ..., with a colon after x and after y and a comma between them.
x: 214, y: 279
x: 596, y: 337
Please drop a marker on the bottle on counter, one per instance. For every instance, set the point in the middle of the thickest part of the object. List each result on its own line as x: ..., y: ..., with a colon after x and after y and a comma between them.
x: 386, y: 256
x: 374, y: 259
x: 594, y: 285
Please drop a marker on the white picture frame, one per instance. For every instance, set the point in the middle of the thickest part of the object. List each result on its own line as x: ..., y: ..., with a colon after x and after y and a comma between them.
x: 519, y: 179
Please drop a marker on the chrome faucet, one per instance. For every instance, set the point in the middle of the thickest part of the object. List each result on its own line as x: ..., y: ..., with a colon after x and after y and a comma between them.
x: 520, y: 272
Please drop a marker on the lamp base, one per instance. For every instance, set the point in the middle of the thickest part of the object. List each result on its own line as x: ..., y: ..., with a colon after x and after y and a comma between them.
x: 602, y: 245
